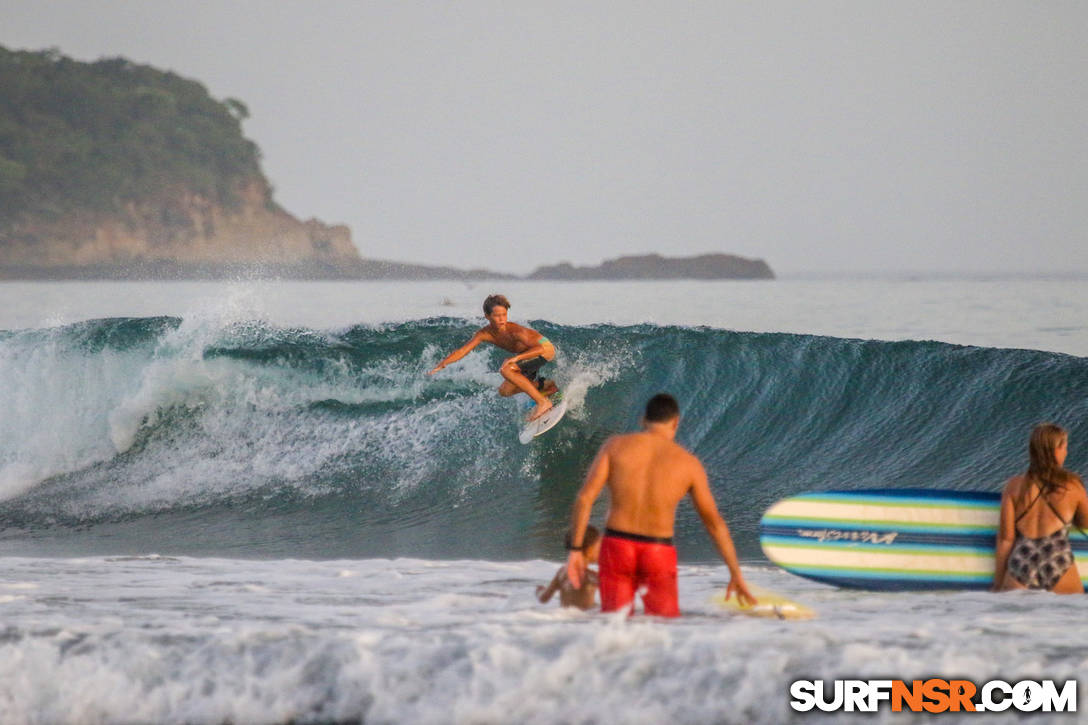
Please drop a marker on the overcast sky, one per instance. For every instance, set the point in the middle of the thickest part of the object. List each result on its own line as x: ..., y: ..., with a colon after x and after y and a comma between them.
x: 820, y: 136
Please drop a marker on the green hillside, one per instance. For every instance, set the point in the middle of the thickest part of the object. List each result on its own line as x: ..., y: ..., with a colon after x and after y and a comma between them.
x: 93, y: 136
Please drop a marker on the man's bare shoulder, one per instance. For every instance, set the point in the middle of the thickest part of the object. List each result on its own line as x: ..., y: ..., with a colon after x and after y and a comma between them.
x: 641, y: 439
x: 615, y: 442
x: 623, y: 446
x: 620, y: 440
x: 690, y: 459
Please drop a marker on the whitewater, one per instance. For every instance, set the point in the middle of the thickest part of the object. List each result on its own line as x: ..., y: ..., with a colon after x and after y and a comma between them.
x: 246, y: 502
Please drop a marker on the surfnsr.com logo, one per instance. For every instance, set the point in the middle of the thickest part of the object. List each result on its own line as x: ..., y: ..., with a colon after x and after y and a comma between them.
x: 933, y: 695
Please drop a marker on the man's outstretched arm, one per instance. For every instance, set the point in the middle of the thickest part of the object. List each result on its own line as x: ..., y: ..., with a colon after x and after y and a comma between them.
x: 715, y: 525
x: 579, y: 515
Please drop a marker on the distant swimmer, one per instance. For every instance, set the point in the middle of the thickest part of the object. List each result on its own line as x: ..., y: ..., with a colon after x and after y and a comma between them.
x: 520, y: 372
x: 647, y: 474
x: 584, y: 596
x: 1037, y: 509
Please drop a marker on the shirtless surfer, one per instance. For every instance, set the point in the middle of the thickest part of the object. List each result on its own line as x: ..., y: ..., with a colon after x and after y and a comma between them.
x: 647, y: 473
x: 520, y: 372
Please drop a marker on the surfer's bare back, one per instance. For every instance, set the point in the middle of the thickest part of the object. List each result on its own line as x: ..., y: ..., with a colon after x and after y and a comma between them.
x: 531, y: 351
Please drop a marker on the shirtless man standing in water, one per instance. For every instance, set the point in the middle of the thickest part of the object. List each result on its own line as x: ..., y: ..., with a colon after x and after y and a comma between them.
x: 647, y: 473
x: 531, y: 350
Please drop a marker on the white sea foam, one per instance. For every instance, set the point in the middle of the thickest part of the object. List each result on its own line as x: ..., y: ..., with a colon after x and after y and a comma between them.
x: 56, y: 400
x: 581, y: 372
x: 153, y: 639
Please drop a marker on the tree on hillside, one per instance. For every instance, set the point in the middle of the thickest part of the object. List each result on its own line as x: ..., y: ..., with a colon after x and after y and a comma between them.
x: 94, y: 136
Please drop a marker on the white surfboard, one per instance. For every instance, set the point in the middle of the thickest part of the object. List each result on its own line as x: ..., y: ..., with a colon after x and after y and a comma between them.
x: 770, y: 605
x: 531, y: 429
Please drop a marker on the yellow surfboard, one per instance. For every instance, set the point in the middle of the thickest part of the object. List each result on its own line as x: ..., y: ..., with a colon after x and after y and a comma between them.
x: 769, y: 604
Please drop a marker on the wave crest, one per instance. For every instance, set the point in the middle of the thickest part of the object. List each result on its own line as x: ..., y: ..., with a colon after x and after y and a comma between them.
x: 341, y: 433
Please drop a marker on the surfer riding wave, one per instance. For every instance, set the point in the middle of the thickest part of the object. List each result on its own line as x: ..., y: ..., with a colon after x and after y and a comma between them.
x: 521, y: 373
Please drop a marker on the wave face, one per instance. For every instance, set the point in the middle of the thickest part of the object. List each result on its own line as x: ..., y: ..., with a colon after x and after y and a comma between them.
x: 244, y: 439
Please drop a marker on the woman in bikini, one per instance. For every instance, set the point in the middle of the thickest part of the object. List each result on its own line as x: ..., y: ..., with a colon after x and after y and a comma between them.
x: 1037, y: 510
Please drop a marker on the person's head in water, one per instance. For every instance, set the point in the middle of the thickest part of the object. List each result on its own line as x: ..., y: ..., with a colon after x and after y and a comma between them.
x: 1046, y: 452
x: 591, y: 543
x: 662, y: 408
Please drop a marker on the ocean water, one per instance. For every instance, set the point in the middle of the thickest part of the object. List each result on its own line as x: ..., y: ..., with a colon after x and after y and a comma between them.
x: 246, y: 502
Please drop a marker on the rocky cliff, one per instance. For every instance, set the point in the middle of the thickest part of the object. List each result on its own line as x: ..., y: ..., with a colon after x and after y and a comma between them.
x: 183, y: 234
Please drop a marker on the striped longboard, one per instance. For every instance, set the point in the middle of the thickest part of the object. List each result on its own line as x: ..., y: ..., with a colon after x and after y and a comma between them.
x: 891, y: 538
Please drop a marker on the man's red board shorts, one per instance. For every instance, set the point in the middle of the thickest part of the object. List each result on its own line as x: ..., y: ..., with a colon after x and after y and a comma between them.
x: 629, y: 562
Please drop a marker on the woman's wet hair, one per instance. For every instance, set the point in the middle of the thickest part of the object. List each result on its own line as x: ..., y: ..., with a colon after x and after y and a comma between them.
x: 1043, y: 464
x: 494, y: 301
x: 661, y: 408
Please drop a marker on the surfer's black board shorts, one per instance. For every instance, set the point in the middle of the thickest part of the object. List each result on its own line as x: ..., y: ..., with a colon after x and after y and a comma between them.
x: 530, y: 368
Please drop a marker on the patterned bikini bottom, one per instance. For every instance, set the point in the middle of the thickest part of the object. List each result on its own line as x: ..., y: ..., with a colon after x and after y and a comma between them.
x: 1040, y: 563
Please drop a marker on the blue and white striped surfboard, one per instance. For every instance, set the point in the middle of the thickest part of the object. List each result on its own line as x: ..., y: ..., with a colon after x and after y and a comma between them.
x: 902, y: 538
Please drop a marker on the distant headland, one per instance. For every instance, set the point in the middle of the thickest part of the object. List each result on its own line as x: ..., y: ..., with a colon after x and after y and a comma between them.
x: 114, y: 170
x: 654, y: 266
